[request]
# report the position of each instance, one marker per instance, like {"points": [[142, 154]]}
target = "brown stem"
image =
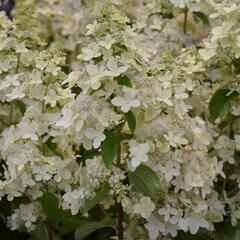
{"points": [[119, 148], [185, 20], [120, 221], [11, 234], [230, 127], [12, 103], [11, 113], [48, 226], [119, 204]]}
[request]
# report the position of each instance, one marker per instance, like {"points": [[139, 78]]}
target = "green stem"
{"points": [[43, 102], [43, 111], [18, 62], [185, 20], [43, 106]]}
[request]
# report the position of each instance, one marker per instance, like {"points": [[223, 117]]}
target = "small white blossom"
{"points": [[145, 207], [28, 130], [10, 81], [195, 222], [138, 153], [96, 135], [26, 216], [128, 101], [107, 41], [92, 51], [21, 48], [170, 170], [114, 69], [74, 200], [67, 118]]}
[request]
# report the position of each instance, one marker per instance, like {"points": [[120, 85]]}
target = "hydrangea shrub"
{"points": [[120, 120]]}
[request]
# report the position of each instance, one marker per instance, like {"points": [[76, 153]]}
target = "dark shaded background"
{"points": [[7, 6]]}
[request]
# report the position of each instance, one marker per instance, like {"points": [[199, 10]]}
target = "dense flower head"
{"points": [[112, 107]]}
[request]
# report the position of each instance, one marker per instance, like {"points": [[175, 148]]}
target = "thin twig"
{"points": [[18, 62], [185, 20], [11, 113]]}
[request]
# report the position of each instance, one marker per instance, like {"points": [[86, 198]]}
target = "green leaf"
{"points": [[39, 233], [69, 223], [236, 64], [126, 136], [131, 120], [105, 233], [50, 207], [110, 148], [203, 17], [66, 69], [98, 59], [223, 124], [100, 196], [188, 236], [18, 201], [89, 227], [89, 154], [123, 80], [144, 180], [62, 220], [21, 106], [219, 99], [51, 145], [228, 231]]}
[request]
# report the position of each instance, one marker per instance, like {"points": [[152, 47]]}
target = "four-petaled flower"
{"points": [[145, 207], [128, 101]]}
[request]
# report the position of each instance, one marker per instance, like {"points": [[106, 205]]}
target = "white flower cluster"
{"points": [[131, 84], [25, 216]]}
